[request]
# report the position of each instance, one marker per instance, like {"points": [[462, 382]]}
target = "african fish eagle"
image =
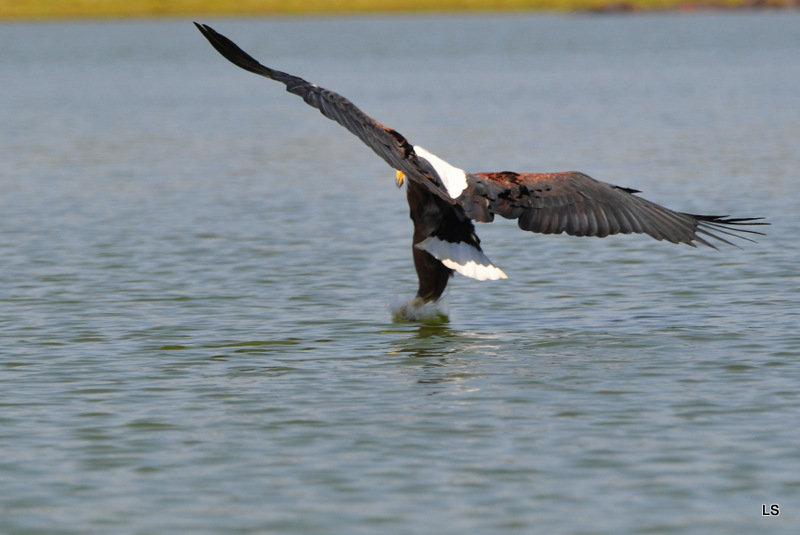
{"points": [[444, 200]]}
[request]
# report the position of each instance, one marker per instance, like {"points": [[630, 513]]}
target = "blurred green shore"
{"points": [[59, 9]]}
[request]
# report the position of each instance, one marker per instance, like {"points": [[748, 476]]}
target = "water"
{"points": [[197, 271]]}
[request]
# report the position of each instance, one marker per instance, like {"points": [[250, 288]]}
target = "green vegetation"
{"points": [[44, 9]]}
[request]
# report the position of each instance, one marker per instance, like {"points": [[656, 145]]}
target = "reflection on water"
{"points": [[432, 349]]}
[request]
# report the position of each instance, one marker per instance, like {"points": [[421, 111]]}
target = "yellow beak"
{"points": [[399, 178]]}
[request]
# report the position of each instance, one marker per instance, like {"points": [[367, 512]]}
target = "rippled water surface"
{"points": [[195, 333]]}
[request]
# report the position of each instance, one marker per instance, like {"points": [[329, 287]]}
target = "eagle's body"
{"points": [[444, 200]]}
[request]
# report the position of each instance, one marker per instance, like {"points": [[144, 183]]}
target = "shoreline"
{"points": [[40, 10]]}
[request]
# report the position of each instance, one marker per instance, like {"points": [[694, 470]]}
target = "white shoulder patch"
{"points": [[455, 179], [462, 257]]}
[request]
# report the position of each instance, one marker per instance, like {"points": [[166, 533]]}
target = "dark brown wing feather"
{"points": [[576, 204], [386, 142]]}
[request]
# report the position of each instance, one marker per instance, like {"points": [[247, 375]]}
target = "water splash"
{"points": [[417, 310]]}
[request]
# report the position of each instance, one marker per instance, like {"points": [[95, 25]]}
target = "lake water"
{"points": [[197, 269]]}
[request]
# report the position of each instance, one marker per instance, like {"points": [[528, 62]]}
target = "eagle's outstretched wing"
{"points": [[578, 205], [386, 142]]}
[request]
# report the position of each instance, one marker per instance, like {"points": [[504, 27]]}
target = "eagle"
{"points": [[444, 200]]}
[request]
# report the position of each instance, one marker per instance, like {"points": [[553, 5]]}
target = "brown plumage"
{"points": [[578, 205], [444, 200]]}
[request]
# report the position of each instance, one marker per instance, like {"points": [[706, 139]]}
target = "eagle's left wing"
{"points": [[386, 142]]}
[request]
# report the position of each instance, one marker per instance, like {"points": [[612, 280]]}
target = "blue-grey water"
{"points": [[196, 271]]}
